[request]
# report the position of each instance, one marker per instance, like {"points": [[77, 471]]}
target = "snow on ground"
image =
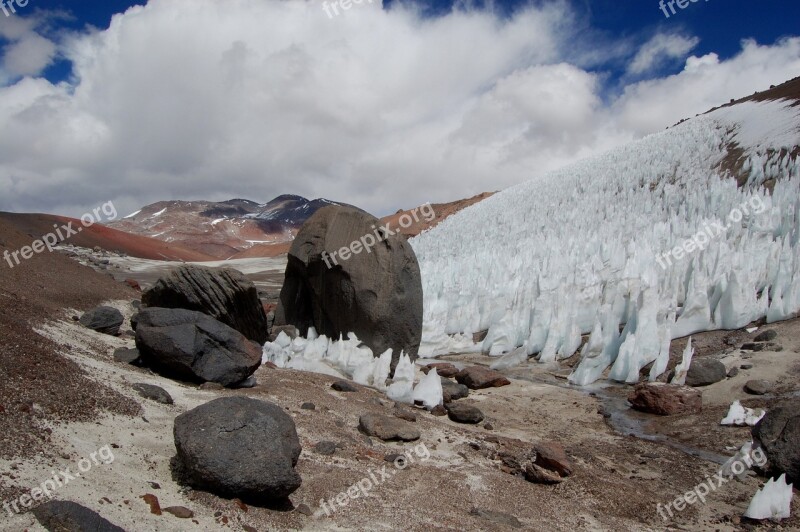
{"points": [[649, 236]]}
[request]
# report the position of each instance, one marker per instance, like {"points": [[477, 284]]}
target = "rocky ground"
{"points": [[64, 396]]}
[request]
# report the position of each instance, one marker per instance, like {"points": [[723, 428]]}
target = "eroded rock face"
{"points": [[239, 447], [666, 399], [194, 346], [341, 278], [224, 294], [778, 433]]}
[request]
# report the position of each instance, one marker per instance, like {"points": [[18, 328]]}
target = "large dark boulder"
{"points": [[778, 434], [705, 371], [194, 346], [341, 278], [106, 320], [58, 516], [238, 447], [224, 294]]}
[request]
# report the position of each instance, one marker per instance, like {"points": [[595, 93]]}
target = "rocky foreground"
{"points": [[534, 454]]}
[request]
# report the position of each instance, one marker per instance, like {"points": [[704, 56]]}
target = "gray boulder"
{"points": [[238, 447], [461, 413], [705, 371], [224, 294], [452, 391], [387, 428], [60, 516], [153, 392], [778, 434], [341, 278], [194, 346], [106, 320]]}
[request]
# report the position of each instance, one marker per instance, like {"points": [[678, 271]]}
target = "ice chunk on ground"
{"points": [[429, 390], [509, 360], [773, 501], [741, 416], [402, 387]]}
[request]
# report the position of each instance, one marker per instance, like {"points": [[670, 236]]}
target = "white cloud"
{"points": [[661, 48], [203, 99]]}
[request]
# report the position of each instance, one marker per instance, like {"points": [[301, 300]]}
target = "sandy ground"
{"points": [[618, 482]]}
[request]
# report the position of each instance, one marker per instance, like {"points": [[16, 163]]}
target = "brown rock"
{"points": [[439, 410], [444, 369], [152, 500], [404, 413], [180, 512], [540, 475], [387, 428], [133, 283], [666, 399], [551, 456], [479, 377]]}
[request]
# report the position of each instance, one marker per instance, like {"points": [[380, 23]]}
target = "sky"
{"points": [[382, 105]]}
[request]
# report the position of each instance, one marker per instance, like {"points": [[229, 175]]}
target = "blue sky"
{"points": [[383, 108]]}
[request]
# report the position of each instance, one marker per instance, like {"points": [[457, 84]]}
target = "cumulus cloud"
{"points": [[189, 99], [661, 48]]}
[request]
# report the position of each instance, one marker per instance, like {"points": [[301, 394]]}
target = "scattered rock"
{"points": [[452, 391], [746, 366], [488, 426], [133, 283], [106, 320], [461, 413], [224, 294], [705, 371], [766, 336], [194, 346], [733, 372], [666, 399], [180, 512], [540, 475], [497, 517], [551, 456], [152, 501], [337, 286], [768, 346], [304, 509], [778, 434], [404, 413], [444, 369], [326, 448], [479, 377], [344, 386], [238, 447], [758, 387], [154, 393], [211, 387], [249, 382], [387, 428], [308, 406], [439, 410], [69, 516], [127, 356]]}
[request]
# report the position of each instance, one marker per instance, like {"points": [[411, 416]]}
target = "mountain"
{"points": [[97, 235], [692, 229], [224, 229]]}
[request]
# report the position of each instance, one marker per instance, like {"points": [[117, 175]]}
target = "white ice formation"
{"points": [[773, 501], [655, 238], [741, 416]]}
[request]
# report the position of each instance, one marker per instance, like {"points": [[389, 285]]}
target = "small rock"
{"points": [[391, 457], [488, 426], [106, 320], [479, 377], [133, 283], [304, 509], [461, 413], [387, 428], [152, 501], [67, 515], [155, 485], [497, 517], [344, 386], [551, 456], [127, 356], [746, 366], [444, 369], [766, 336], [439, 410], [758, 387], [154, 393], [404, 413], [325, 448], [733, 372], [180, 512], [249, 382], [452, 391], [540, 475], [308, 406], [211, 386]]}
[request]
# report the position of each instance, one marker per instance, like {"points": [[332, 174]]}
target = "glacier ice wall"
{"points": [[653, 237]]}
